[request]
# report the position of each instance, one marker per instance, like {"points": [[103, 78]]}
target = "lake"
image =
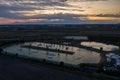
{"points": [[98, 45], [80, 55]]}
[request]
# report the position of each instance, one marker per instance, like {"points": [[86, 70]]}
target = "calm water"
{"points": [[80, 55], [97, 45]]}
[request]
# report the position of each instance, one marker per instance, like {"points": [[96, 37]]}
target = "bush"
{"points": [[61, 63], [44, 60]]}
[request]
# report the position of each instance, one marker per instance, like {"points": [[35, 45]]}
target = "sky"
{"points": [[59, 11]]}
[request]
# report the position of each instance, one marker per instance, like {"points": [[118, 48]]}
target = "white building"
{"points": [[112, 56]]}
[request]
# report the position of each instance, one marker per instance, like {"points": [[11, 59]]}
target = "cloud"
{"points": [[79, 0], [8, 14], [91, 0], [6, 11], [16, 11], [56, 16], [108, 15], [14, 8], [34, 4], [48, 10]]}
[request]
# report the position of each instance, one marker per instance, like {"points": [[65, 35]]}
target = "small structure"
{"points": [[76, 37], [114, 59], [118, 63], [109, 68]]}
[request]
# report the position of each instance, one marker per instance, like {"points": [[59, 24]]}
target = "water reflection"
{"points": [[98, 45], [80, 55]]}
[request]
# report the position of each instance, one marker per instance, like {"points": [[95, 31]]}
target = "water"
{"points": [[98, 45], [76, 37], [80, 55]]}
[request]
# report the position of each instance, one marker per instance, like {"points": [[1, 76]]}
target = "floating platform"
{"points": [[47, 49]]}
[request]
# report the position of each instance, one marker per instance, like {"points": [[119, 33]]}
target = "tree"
{"points": [[61, 63], [44, 60], [1, 50]]}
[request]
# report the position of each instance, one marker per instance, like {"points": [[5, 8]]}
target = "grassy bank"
{"points": [[88, 74]]}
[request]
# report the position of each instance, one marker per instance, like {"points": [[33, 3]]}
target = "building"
{"points": [[113, 59]]}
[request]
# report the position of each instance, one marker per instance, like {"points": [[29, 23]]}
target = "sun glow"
{"points": [[104, 18], [23, 11]]}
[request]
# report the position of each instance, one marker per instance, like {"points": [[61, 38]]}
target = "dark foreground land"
{"points": [[15, 69], [12, 68]]}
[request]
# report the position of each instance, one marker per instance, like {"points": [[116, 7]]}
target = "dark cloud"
{"points": [[85, 0], [55, 16], [109, 15], [92, 0], [9, 11], [6, 13], [10, 15], [78, 0], [14, 9]]}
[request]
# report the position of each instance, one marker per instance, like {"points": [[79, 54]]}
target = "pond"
{"points": [[98, 45], [80, 55]]}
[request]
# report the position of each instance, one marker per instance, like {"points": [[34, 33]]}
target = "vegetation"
{"points": [[109, 34]]}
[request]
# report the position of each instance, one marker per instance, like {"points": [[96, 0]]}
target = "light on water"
{"points": [[98, 45], [80, 55]]}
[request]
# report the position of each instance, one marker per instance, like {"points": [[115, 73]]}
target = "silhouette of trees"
{"points": [[61, 63]]}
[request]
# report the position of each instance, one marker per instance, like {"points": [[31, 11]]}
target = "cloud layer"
{"points": [[57, 10]]}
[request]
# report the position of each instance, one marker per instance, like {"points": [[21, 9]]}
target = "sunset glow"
{"points": [[66, 10]]}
